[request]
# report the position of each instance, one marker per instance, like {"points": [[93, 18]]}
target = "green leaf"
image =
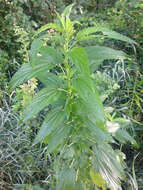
{"points": [[117, 36], [49, 26], [100, 135], [105, 31], [43, 98], [101, 53], [26, 72], [58, 136], [47, 54], [89, 94], [79, 57], [69, 28], [80, 185], [82, 34], [123, 136], [97, 54], [48, 78], [61, 100], [106, 163], [23, 74], [35, 46], [40, 42], [67, 11], [89, 37], [53, 120], [62, 20], [97, 179], [67, 179], [46, 59]]}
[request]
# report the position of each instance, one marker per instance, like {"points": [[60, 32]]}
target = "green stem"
{"points": [[67, 67]]}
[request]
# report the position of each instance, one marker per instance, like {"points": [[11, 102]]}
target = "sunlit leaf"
{"points": [[106, 163], [97, 179], [79, 57], [67, 10]]}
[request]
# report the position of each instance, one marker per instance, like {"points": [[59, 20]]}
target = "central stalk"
{"points": [[67, 67]]}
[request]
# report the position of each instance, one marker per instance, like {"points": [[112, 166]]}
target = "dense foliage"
{"points": [[71, 154]]}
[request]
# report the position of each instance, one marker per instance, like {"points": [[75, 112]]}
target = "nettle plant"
{"points": [[75, 127]]}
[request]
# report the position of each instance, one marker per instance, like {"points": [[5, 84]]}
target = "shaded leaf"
{"points": [[35, 46], [97, 54], [46, 59], [49, 26], [53, 120], [123, 136], [107, 32], [82, 34], [48, 78], [117, 36], [101, 135], [67, 179], [89, 94], [42, 99], [58, 137], [89, 37], [23, 74]]}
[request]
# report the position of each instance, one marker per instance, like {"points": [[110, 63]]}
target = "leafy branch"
{"points": [[75, 128]]}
